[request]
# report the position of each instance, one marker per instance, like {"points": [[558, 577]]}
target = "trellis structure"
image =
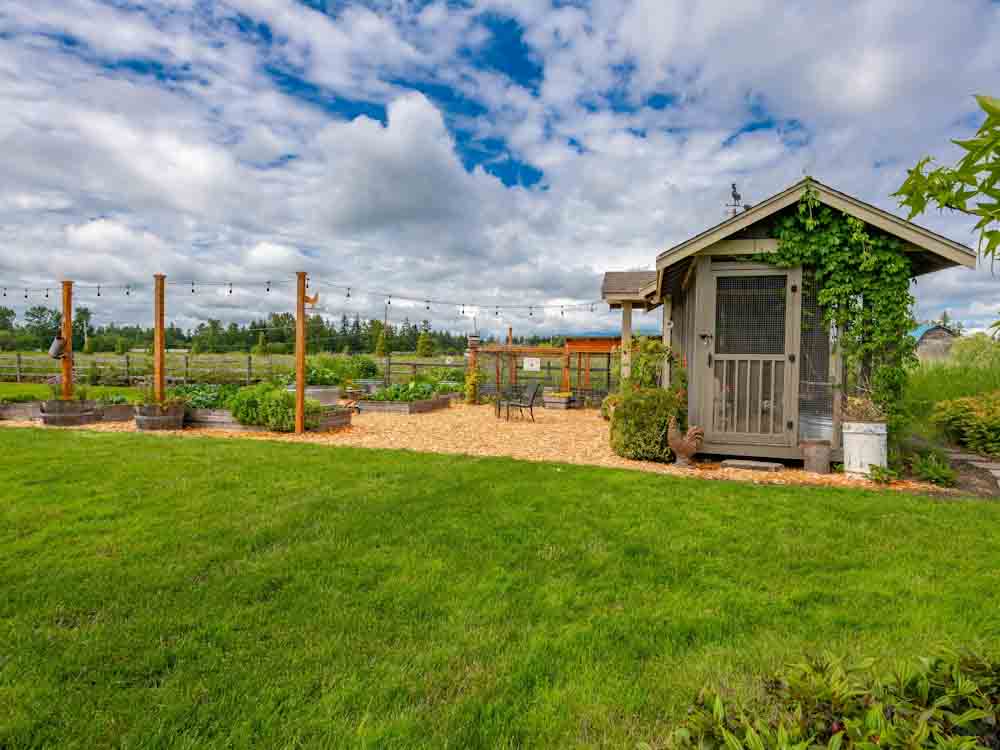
{"points": [[763, 370]]}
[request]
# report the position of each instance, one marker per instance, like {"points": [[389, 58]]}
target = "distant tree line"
{"points": [[274, 334]]}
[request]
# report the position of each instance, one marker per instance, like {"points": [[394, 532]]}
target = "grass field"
{"points": [[41, 391], [163, 592]]}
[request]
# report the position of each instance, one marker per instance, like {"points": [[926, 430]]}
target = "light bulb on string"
{"points": [[192, 287], [98, 290], [268, 290], [230, 287], [427, 302], [5, 291], [46, 294], [128, 290], [26, 294], [348, 292], [531, 314]]}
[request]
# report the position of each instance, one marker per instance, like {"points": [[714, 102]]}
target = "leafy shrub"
{"points": [[473, 378], [973, 422], [204, 395], [882, 474], [112, 399], [949, 701], [933, 467], [271, 406], [978, 350], [640, 422], [862, 409], [413, 391]]}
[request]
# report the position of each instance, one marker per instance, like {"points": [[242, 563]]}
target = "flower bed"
{"points": [[331, 417], [421, 406], [558, 400]]}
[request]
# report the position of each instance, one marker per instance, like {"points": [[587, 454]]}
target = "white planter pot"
{"points": [[865, 445]]}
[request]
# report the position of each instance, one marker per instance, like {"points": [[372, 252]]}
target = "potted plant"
{"points": [[151, 414], [71, 412], [558, 400], [865, 436]]}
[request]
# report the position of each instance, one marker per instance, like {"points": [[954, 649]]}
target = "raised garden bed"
{"points": [[557, 401], [222, 419], [328, 395], [421, 406], [33, 410]]}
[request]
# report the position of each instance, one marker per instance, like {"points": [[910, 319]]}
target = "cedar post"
{"points": [[586, 373], [67, 334], [565, 370], [626, 339], [513, 356], [17, 365], [300, 354], [666, 330], [159, 339]]}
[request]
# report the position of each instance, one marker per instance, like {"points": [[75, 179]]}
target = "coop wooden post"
{"points": [[667, 329], [67, 334], [586, 372], [159, 339], [17, 366], [300, 354], [626, 339]]}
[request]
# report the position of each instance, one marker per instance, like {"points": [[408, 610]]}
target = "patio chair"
{"points": [[527, 401]]}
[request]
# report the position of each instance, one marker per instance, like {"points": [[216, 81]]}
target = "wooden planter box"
{"points": [[117, 413], [558, 402], [151, 417], [405, 407], [328, 395], [222, 419], [217, 419], [69, 413], [21, 411]]}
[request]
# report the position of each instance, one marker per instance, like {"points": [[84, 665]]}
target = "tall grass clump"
{"points": [[971, 369]]}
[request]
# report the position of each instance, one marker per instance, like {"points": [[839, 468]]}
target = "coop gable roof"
{"points": [[938, 251], [626, 285]]}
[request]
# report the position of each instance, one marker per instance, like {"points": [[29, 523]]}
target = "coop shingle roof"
{"points": [[626, 283]]}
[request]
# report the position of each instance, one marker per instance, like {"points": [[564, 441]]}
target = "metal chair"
{"points": [[525, 402]]}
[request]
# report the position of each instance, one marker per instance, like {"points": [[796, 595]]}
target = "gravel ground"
{"points": [[573, 436]]}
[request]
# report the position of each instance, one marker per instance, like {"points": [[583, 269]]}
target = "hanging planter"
{"points": [[57, 349]]}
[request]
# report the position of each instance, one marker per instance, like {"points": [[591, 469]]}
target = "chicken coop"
{"points": [[763, 368]]}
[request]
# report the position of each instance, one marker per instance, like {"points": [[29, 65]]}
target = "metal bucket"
{"points": [[865, 445]]}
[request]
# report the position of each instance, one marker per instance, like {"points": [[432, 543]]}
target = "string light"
{"points": [[26, 294], [5, 291], [531, 314], [128, 290], [427, 302], [98, 290], [268, 290], [192, 286], [46, 294], [348, 292], [388, 301], [230, 287]]}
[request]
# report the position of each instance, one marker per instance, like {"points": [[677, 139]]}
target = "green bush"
{"points": [[947, 702], [609, 404], [640, 422], [413, 391], [271, 406], [204, 395], [933, 467], [973, 422]]}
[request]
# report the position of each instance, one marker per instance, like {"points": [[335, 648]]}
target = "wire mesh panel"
{"points": [[750, 315], [815, 382]]}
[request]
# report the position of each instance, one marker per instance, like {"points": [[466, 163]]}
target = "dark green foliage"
{"points": [[863, 279], [973, 421], [933, 467], [640, 422], [205, 396], [413, 391], [270, 406], [949, 701], [882, 474]]}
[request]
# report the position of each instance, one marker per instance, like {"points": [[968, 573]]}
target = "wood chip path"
{"points": [[574, 437]]}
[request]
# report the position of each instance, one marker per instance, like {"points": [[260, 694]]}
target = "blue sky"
{"points": [[503, 151]]}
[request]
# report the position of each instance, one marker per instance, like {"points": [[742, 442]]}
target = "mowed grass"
{"points": [[206, 593], [42, 391]]}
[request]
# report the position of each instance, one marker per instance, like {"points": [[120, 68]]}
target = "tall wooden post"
{"points": [[666, 331], [159, 340], [300, 354], [626, 339], [565, 369], [67, 334], [513, 356]]}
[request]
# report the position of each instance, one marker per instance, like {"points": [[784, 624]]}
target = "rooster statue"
{"points": [[684, 446]]}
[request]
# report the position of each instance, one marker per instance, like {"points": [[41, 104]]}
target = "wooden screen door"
{"points": [[749, 347]]}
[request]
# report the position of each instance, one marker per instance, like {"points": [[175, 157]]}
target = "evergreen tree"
{"points": [[380, 345], [425, 345]]}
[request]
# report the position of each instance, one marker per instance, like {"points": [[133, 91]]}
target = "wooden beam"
{"points": [[667, 330], [626, 339], [300, 353], [159, 339], [67, 334]]}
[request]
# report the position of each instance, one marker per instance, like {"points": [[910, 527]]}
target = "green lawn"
{"points": [[196, 592], [41, 391]]}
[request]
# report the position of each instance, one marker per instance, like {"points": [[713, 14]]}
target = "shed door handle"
{"points": [[791, 358]]}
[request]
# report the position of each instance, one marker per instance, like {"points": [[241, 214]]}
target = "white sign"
{"points": [[532, 364]]}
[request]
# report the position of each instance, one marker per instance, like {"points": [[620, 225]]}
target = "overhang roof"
{"points": [[943, 251], [626, 285]]}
